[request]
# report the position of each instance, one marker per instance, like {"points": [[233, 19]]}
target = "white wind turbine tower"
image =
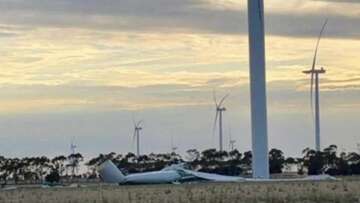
{"points": [[137, 129], [218, 116], [260, 164], [314, 72]]}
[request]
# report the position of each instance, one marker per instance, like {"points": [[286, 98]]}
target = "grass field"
{"points": [[294, 192]]}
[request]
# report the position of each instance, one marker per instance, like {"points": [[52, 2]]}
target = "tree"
{"points": [[276, 161], [246, 162], [192, 155], [330, 158], [41, 164], [354, 162], [7, 168], [58, 164], [313, 161], [289, 162], [343, 167], [235, 155], [53, 177], [74, 161]]}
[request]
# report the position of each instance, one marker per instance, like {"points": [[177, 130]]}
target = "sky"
{"points": [[83, 69]]}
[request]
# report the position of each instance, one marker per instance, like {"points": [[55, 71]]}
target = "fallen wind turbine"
{"points": [[137, 129], [314, 72], [218, 117]]}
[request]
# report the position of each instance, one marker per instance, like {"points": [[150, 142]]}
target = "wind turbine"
{"points": [[137, 129], [173, 147], [314, 72], [72, 146], [72, 158], [232, 145], [218, 116], [231, 142]]}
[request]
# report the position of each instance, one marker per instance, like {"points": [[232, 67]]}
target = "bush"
{"points": [[53, 177]]}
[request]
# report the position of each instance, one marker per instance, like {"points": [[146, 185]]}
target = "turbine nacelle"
{"points": [[315, 71]]}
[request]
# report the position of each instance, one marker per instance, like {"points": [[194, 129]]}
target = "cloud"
{"points": [[129, 53], [341, 84], [7, 34], [296, 18], [340, 1]]}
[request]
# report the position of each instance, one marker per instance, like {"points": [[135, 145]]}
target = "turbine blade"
{"points": [[223, 99], [216, 118], [140, 122], [133, 137], [133, 120], [318, 42], [214, 98], [314, 64]]}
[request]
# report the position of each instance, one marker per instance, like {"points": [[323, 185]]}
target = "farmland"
{"points": [[298, 192]]}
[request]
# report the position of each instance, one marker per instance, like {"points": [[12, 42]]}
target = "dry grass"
{"points": [[295, 192]]}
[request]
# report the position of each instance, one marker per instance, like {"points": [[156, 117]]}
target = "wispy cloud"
{"points": [[290, 18]]}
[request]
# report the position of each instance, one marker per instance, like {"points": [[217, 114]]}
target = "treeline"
{"points": [[329, 161], [39, 169]]}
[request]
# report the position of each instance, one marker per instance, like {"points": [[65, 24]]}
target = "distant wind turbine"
{"points": [[173, 147], [72, 159], [218, 117], [72, 146], [137, 129], [232, 145], [315, 75], [231, 141]]}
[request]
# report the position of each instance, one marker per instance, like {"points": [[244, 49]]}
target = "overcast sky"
{"points": [[84, 68]]}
